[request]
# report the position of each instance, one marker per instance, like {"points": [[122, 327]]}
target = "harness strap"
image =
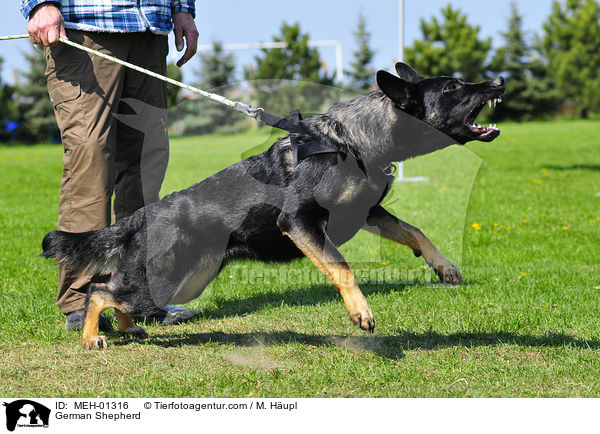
{"points": [[280, 122], [301, 149]]}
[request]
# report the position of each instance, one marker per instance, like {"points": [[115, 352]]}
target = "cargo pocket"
{"points": [[68, 110]]}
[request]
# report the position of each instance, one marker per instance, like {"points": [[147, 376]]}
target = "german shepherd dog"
{"points": [[275, 207]]}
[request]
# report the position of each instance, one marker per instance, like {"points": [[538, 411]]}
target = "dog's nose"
{"points": [[498, 81]]}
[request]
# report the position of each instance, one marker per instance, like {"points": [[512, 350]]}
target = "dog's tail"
{"points": [[98, 251]]}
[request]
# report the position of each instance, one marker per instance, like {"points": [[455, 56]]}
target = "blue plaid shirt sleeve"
{"points": [[117, 15], [28, 5], [188, 6]]}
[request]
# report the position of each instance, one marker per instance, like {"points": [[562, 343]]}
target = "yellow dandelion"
{"points": [[507, 228], [536, 181], [495, 233], [444, 188], [501, 226], [495, 225], [544, 170], [565, 228], [476, 226], [525, 221], [522, 273], [384, 263], [533, 231]]}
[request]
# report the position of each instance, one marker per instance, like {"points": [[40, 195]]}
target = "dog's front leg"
{"points": [[317, 246], [382, 223]]}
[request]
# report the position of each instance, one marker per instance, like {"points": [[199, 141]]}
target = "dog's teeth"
{"points": [[499, 99], [495, 127], [494, 102], [489, 103]]}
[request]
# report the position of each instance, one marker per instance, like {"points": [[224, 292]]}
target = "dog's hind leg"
{"points": [[382, 223], [127, 326], [317, 246], [100, 298]]}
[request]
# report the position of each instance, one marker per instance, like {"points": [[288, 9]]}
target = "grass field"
{"points": [[521, 216]]}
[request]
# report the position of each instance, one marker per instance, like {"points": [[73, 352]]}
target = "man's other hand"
{"points": [[45, 25], [185, 27]]}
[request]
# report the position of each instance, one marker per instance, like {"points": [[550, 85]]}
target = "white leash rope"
{"points": [[239, 106]]}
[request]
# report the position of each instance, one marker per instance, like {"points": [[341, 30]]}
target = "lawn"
{"points": [[520, 216]]}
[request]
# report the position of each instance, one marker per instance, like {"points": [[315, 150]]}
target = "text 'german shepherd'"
{"points": [[276, 207]]}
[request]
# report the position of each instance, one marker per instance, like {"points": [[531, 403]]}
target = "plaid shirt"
{"points": [[117, 15]]}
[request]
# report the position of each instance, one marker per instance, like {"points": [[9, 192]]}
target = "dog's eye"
{"points": [[451, 87]]}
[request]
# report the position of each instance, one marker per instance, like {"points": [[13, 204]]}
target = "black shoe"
{"points": [[168, 315], [75, 321]]}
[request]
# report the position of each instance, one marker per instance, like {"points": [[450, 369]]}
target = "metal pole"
{"points": [[338, 61], [400, 30], [400, 171], [400, 59]]}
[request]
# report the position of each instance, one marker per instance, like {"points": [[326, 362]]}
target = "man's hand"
{"points": [[45, 25], [185, 27]]}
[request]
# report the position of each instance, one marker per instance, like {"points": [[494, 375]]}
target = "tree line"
{"points": [[554, 73]]}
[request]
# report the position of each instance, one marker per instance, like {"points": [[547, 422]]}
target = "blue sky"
{"points": [[243, 21]]}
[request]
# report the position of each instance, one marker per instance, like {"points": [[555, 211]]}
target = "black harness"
{"points": [[303, 149]]}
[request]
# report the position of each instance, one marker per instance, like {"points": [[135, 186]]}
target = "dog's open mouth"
{"points": [[481, 132]]}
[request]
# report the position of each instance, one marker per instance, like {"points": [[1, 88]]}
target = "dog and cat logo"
{"points": [[26, 413]]}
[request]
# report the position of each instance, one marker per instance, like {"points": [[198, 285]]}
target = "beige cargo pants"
{"points": [[105, 152]]}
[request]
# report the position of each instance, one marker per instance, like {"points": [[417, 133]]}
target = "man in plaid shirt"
{"points": [[112, 120]]}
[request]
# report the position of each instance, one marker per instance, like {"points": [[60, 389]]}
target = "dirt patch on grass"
{"points": [[254, 358]]}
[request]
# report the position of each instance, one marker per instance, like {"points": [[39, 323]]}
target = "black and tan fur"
{"points": [[268, 208]]}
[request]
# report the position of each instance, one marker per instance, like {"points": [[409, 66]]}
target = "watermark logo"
{"points": [[25, 413]]}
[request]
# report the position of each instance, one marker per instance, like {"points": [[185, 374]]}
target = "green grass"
{"points": [[521, 216]]}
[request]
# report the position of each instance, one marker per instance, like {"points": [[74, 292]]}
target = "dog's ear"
{"points": [[400, 91], [406, 73]]}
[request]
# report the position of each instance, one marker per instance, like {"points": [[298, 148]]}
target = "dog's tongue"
{"points": [[482, 130]]}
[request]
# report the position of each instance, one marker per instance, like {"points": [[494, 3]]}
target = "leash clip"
{"points": [[248, 110]]}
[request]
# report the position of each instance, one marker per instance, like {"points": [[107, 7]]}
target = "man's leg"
{"points": [[142, 143], [83, 89]]}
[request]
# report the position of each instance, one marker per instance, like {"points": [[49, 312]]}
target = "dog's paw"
{"points": [[136, 332], [364, 319], [96, 342], [448, 274]]}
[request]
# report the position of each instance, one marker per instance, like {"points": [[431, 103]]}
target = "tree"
{"points": [[289, 78], [173, 91], [36, 115], [450, 47], [216, 74], [570, 43], [217, 68], [297, 61], [361, 75], [529, 94]]}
